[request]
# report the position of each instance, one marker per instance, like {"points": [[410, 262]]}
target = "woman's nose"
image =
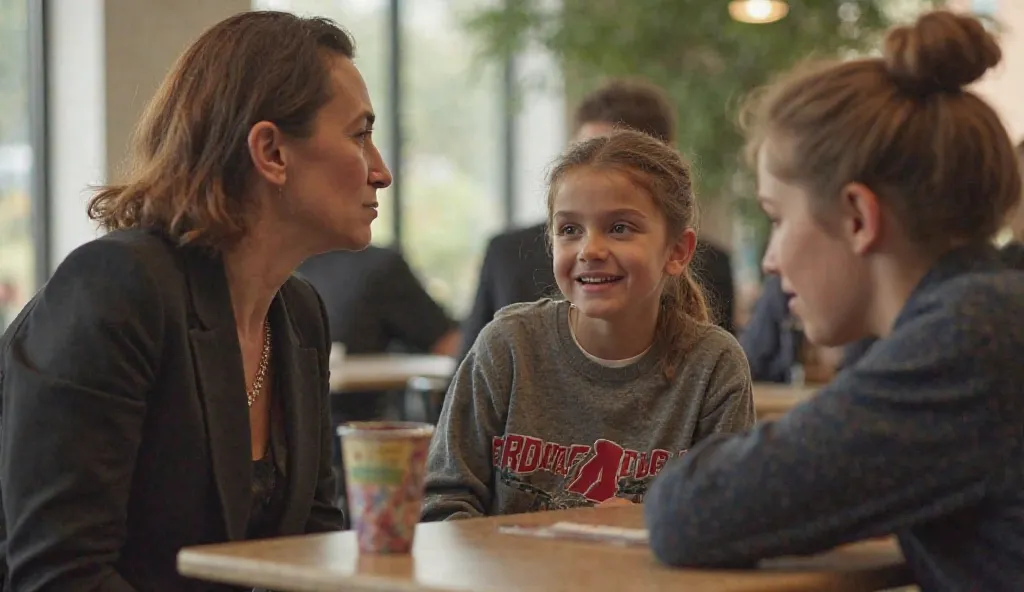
{"points": [[769, 263], [380, 175]]}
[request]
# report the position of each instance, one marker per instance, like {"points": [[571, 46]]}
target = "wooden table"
{"points": [[472, 555], [772, 400], [385, 372]]}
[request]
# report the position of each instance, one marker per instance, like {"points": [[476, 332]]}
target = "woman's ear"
{"points": [[265, 151], [861, 217]]}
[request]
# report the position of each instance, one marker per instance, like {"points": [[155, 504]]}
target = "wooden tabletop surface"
{"points": [[772, 400], [472, 555], [385, 372]]}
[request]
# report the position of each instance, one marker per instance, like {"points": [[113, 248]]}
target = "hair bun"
{"points": [[941, 52]]}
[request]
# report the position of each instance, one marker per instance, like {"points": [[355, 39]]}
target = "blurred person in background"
{"points": [[375, 304]]}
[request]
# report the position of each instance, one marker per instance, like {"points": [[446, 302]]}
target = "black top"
{"points": [[921, 438], [375, 302], [268, 480], [125, 424], [518, 268]]}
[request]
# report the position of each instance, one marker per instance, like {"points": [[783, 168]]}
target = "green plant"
{"points": [[705, 60]]}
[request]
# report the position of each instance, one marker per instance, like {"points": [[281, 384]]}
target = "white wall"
{"points": [[106, 59], [77, 119], [1004, 87]]}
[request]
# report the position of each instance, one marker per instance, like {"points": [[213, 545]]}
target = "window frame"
{"points": [[39, 186]]}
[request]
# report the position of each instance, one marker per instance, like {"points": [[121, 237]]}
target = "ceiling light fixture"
{"points": [[758, 11]]}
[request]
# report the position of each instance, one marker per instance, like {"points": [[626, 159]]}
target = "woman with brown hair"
{"points": [[168, 385], [885, 180]]}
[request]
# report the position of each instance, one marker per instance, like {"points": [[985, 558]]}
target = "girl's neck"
{"points": [[619, 338]]}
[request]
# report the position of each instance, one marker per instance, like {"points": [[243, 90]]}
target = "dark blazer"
{"points": [[517, 268], [125, 426]]}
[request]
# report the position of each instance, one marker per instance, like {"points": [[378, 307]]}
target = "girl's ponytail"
{"points": [[683, 317]]}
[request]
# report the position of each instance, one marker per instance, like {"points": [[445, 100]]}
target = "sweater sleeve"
{"points": [[913, 432], [460, 481], [728, 403]]}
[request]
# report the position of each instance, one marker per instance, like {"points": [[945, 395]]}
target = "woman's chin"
{"points": [[353, 241]]}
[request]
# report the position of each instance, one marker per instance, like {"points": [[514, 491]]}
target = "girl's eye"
{"points": [[567, 230], [620, 228], [363, 135]]}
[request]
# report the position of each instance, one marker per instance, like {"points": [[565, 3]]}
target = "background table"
{"points": [[772, 400], [386, 372], [472, 555], [389, 372]]}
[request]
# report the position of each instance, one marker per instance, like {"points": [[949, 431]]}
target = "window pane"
{"points": [[367, 21], [985, 7], [452, 119], [17, 261]]}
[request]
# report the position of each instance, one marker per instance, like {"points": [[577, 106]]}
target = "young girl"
{"points": [[574, 402], [885, 180]]}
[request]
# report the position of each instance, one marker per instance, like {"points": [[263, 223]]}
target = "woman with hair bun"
{"points": [[885, 180]]}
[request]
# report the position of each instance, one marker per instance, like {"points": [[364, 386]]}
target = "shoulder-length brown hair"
{"points": [[190, 163]]}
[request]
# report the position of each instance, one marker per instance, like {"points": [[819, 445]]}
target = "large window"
{"points": [[448, 152], [985, 7], [17, 253], [452, 167]]}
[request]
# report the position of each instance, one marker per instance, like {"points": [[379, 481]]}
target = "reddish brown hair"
{"points": [[656, 168], [634, 104], [903, 124], [190, 164]]}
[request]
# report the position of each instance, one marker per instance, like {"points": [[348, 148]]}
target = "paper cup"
{"points": [[385, 467]]}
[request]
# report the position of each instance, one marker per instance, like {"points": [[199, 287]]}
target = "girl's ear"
{"points": [[681, 252]]}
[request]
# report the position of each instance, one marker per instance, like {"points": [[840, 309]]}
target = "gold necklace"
{"points": [[261, 370]]}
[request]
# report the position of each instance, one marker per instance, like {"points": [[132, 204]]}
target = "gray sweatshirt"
{"points": [[531, 423]]}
